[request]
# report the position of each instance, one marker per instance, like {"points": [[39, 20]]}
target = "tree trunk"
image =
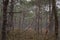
{"points": [[54, 11], [50, 25], [38, 17], [11, 14], [4, 26]]}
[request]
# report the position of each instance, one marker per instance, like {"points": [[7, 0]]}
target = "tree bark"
{"points": [[4, 26], [11, 14], [50, 24], [38, 17], [54, 11]]}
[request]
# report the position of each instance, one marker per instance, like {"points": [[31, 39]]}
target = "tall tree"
{"points": [[50, 25], [11, 13], [22, 18], [38, 11], [54, 11], [5, 5]]}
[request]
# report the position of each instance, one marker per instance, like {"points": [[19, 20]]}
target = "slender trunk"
{"points": [[38, 4], [50, 25], [21, 21], [4, 26], [11, 14], [54, 11]]}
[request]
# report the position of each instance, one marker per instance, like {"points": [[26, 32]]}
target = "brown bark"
{"points": [[50, 25], [4, 26], [11, 14], [38, 17], [54, 11]]}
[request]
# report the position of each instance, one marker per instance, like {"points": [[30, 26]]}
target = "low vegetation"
{"points": [[18, 34]]}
